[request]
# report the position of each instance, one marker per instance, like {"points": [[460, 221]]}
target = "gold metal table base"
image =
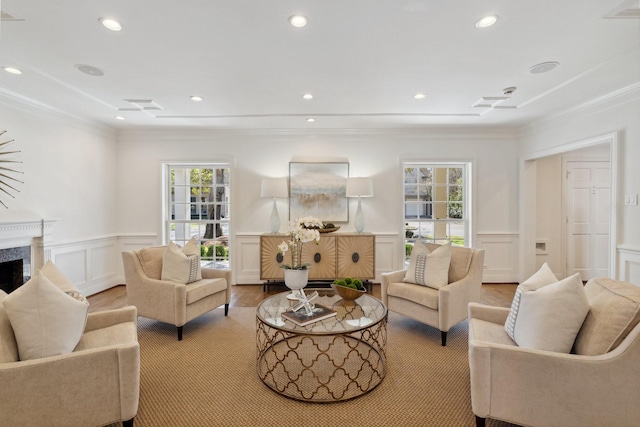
{"points": [[322, 368]]}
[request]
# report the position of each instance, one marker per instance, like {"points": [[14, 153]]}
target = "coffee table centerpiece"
{"points": [[296, 274]]}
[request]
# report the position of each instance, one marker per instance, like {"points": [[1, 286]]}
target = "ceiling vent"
{"points": [[628, 9], [142, 105]]}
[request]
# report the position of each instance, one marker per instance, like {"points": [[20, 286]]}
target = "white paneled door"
{"points": [[588, 199]]}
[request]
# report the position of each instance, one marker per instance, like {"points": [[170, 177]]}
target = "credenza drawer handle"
{"points": [[355, 257]]}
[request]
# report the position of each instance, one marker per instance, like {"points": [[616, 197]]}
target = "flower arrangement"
{"points": [[301, 231]]}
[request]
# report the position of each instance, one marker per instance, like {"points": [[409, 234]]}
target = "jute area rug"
{"points": [[209, 379]]}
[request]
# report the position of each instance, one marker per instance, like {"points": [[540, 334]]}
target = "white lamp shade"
{"points": [[274, 187], [359, 187]]}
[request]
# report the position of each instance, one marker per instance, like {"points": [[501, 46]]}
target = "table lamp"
{"points": [[359, 187], [274, 187]]}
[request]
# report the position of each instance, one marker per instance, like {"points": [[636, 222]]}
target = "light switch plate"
{"points": [[631, 199]]}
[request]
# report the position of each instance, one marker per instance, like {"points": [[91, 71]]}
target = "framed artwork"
{"points": [[319, 190]]}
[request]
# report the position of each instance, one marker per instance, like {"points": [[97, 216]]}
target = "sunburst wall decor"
{"points": [[7, 173]]}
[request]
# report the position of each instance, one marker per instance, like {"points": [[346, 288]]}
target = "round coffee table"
{"points": [[335, 359]]}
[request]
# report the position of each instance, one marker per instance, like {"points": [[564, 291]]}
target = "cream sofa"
{"points": [[170, 302], [598, 386], [441, 308], [97, 384]]}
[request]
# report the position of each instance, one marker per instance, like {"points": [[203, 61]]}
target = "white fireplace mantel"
{"points": [[24, 231]]}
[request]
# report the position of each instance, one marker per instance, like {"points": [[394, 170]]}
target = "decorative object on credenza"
{"points": [[359, 187], [275, 188], [319, 189], [7, 180], [301, 231], [349, 289], [329, 227]]}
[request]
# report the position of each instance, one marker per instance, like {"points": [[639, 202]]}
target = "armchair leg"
{"points": [[226, 309], [480, 421], [179, 333], [443, 336], [128, 423]]}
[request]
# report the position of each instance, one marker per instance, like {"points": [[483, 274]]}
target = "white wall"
{"points": [[619, 115], [267, 154], [69, 176]]}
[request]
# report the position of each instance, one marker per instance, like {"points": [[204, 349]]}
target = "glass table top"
{"points": [[351, 315]]}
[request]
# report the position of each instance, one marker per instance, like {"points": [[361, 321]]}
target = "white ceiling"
{"points": [[363, 60]]}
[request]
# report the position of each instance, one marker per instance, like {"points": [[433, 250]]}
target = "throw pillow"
{"points": [[429, 268], [192, 249], [550, 318], [544, 276], [179, 267], [8, 347], [45, 320]]}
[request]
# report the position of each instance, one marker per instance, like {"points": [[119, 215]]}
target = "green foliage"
{"points": [[408, 248], [348, 282]]}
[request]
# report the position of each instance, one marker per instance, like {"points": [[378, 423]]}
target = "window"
{"points": [[436, 203], [198, 206]]}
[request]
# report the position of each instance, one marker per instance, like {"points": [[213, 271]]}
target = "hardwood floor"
{"points": [[496, 294]]}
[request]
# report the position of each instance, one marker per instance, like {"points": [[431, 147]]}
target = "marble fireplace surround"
{"points": [[24, 230]]}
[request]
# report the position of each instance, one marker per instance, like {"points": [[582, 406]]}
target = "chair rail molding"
{"points": [[629, 264]]}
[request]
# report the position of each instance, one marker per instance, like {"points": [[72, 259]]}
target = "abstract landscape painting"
{"points": [[319, 190]]}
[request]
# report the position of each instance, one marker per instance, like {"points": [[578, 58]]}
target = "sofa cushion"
{"points": [[615, 311], [544, 276], [549, 318], [428, 268], [179, 267], [494, 333], [45, 320], [8, 346], [151, 261], [460, 261], [203, 288], [422, 295]]}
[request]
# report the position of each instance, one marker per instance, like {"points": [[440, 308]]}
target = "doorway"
{"points": [[533, 211]]}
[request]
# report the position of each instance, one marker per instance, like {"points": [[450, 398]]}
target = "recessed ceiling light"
{"points": [[110, 24], [12, 70], [310, 119], [543, 67], [487, 21], [196, 98], [419, 96], [307, 96], [298, 21], [120, 118]]}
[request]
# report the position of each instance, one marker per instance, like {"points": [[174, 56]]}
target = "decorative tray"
{"points": [[329, 230]]}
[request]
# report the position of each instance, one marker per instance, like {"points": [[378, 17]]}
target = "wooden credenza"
{"points": [[337, 255]]}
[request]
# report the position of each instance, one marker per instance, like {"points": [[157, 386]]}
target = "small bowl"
{"points": [[348, 294]]}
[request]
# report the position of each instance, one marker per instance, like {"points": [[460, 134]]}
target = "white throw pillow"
{"points": [[179, 267], [45, 320], [550, 318], [429, 268], [192, 249], [544, 276]]}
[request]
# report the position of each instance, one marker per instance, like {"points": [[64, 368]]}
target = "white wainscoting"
{"points": [[629, 264], [500, 257], [95, 265], [246, 256]]}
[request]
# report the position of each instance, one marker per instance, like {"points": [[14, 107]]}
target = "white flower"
{"points": [[301, 231]]}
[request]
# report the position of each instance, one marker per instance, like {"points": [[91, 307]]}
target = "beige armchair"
{"points": [[441, 308], [170, 302], [97, 384], [597, 385]]}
